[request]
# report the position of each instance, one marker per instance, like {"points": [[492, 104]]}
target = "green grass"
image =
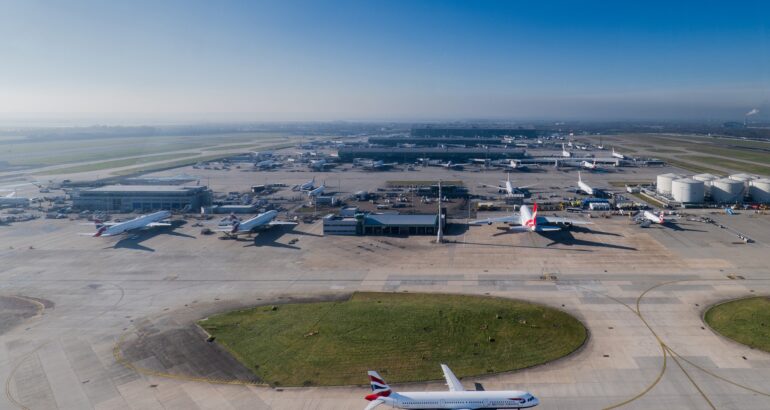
{"points": [[96, 166], [730, 164], [190, 161], [746, 321], [696, 168], [404, 336]]}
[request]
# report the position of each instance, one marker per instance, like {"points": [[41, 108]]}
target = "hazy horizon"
{"points": [[179, 62]]}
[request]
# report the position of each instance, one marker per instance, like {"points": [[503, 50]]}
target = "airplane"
{"points": [[648, 218], [321, 164], [452, 165], [316, 191], [589, 165], [308, 186], [262, 221], [528, 221], [379, 165], [564, 152], [266, 164], [456, 398], [617, 154], [141, 222], [582, 186], [508, 189]]}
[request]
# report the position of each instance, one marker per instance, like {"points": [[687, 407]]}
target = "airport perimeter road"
{"points": [[106, 324]]}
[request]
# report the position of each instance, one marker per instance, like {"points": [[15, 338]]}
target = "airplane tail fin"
{"points": [[378, 385], [236, 224], [580, 178], [100, 231], [534, 215]]}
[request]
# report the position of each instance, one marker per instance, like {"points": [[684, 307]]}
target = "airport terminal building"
{"points": [[129, 198], [381, 224]]}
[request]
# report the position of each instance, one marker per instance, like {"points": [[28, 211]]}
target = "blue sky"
{"points": [[383, 60]]}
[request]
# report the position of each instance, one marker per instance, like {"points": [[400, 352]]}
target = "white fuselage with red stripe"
{"points": [[657, 219]]}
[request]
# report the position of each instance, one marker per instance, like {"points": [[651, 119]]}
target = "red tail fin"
{"points": [[100, 231]]}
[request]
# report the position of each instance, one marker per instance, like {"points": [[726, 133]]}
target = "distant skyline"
{"points": [[175, 61]]}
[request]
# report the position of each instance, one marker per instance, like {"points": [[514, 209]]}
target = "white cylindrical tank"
{"points": [[745, 178], [760, 190], [707, 180], [664, 183], [687, 190], [727, 190]]}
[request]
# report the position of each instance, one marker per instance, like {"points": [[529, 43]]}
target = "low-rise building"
{"points": [[128, 198]]}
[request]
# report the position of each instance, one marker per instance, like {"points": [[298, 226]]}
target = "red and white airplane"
{"points": [[262, 221], [648, 218], [456, 398], [529, 221], [141, 222], [589, 165]]}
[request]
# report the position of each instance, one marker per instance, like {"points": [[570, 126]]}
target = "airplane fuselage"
{"points": [[254, 223], [136, 223], [461, 400]]}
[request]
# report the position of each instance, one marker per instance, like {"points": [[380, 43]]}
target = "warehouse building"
{"points": [[381, 224], [128, 198]]}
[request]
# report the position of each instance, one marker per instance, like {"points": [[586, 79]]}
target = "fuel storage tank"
{"points": [[707, 180], [727, 190], [686, 190], [760, 190], [664, 183]]}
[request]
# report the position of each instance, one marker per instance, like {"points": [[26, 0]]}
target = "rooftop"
{"points": [[145, 188], [400, 220]]}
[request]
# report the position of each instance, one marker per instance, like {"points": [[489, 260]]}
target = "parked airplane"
{"points": [[456, 398], [308, 186], [528, 221], [648, 218], [582, 186], [564, 152], [452, 165], [321, 164], [262, 221], [266, 164], [589, 165], [508, 189], [316, 191], [378, 165], [141, 222], [617, 154]]}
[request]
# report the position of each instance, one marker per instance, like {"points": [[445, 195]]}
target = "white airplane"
{"points": [[141, 222], [266, 164], [249, 226], [564, 152], [589, 165], [507, 188], [452, 165], [617, 154], [648, 218], [456, 398], [582, 186], [321, 164], [379, 165], [316, 191], [528, 221], [308, 186]]}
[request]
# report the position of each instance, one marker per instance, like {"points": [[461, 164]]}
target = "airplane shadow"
{"points": [[565, 237], [503, 245], [583, 229], [134, 241], [677, 227], [270, 238]]}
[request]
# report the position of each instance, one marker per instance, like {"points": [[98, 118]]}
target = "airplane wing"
{"points": [[507, 219], [11, 195], [451, 380], [564, 221], [281, 223], [154, 224], [374, 404], [492, 186], [547, 228]]}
